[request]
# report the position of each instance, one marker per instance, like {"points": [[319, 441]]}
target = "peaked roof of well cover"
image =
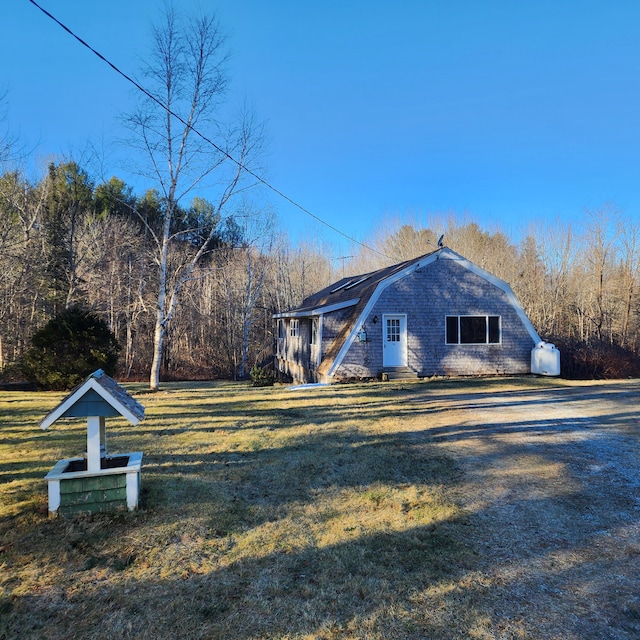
{"points": [[108, 389]]}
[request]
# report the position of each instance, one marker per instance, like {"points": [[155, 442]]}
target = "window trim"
{"points": [[294, 328], [487, 318]]}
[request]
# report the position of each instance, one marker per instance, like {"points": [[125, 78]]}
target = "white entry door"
{"points": [[394, 341]]}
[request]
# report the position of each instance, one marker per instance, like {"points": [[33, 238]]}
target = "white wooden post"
{"points": [[133, 487], [54, 495], [93, 443], [103, 437]]}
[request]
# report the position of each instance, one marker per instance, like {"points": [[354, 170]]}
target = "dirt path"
{"points": [[552, 478]]}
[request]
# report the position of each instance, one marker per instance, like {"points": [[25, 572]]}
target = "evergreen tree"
{"points": [[70, 347]]}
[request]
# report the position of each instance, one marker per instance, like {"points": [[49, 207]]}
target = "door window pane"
{"points": [[393, 330]]}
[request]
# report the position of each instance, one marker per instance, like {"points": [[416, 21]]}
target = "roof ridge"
{"points": [[351, 288]]}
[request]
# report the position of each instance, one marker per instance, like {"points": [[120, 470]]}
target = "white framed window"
{"points": [[294, 327], [281, 332], [313, 334], [473, 329]]}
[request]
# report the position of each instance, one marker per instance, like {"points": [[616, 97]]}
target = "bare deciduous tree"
{"points": [[186, 74], [629, 235], [600, 253]]}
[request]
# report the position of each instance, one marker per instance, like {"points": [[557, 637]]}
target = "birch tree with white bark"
{"points": [[186, 75]]}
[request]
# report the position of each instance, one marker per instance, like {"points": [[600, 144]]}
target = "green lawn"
{"points": [[265, 513]]}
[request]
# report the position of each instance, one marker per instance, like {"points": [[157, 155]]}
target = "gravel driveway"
{"points": [[552, 479]]}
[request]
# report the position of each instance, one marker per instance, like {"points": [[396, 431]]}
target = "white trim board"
{"points": [[317, 311]]}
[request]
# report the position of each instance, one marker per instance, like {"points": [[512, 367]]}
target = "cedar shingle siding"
{"points": [[427, 296], [426, 291]]}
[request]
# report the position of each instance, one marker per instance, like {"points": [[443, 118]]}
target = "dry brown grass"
{"points": [[348, 512]]}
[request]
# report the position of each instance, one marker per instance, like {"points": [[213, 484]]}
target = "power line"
{"points": [[205, 138]]}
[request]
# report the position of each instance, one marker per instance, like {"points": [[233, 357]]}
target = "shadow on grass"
{"points": [[339, 590], [279, 408], [267, 481]]}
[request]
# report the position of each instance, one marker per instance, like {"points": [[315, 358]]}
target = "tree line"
{"points": [[66, 241]]}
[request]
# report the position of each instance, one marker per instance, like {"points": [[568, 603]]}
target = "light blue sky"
{"points": [[508, 111]]}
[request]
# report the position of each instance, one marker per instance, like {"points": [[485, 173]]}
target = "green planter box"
{"points": [[73, 490]]}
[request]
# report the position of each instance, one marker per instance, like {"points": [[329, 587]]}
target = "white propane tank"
{"points": [[545, 359]]}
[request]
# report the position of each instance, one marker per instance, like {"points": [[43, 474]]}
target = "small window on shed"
{"points": [[294, 328], [313, 334], [355, 283], [281, 332], [341, 286]]}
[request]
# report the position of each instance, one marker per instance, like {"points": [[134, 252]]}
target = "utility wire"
{"points": [[205, 138]]}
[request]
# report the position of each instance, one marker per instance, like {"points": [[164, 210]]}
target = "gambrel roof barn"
{"points": [[438, 314]]}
